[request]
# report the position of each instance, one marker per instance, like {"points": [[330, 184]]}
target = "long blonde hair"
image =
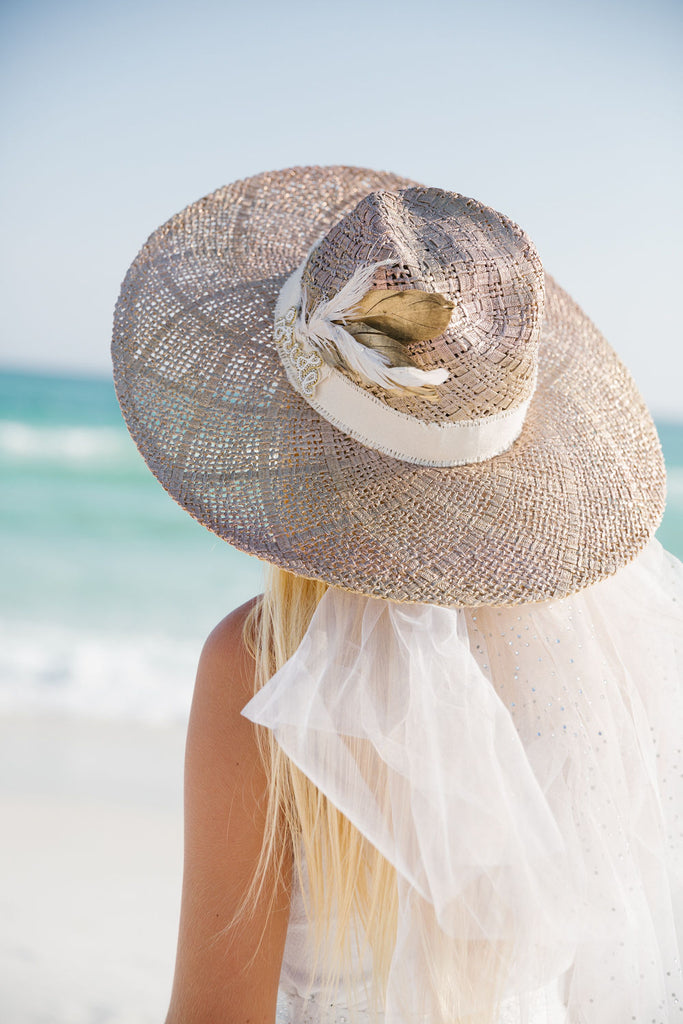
{"points": [[349, 882], [352, 888]]}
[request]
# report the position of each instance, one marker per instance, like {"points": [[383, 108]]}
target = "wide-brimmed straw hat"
{"points": [[373, 383]]}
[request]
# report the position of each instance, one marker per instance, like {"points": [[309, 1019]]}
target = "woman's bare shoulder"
{"points": [[225, 675], [219, 737]]}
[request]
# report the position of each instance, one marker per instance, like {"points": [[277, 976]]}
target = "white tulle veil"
{"points": [[521, 768]]}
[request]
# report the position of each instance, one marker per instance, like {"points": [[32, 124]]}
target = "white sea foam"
{"points": [[110, 676], [81, 445]]}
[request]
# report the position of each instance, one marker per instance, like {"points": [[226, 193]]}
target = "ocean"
{"points": [[108, 588]]}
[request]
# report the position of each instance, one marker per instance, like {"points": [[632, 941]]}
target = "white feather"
{"points": [[341, 304], [332, 341]]}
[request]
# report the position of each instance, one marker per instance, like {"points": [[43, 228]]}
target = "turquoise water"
{"points": [[107, 587], [87, 533]]}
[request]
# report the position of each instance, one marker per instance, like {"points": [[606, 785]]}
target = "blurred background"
{"points": [[115, 116]]}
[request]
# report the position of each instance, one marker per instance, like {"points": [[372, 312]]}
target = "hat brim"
{"points": [[207, 401]]}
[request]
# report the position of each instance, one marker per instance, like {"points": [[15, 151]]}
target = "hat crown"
{"points": [[442, 242]]}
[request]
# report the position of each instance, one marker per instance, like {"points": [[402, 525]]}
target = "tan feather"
{"points": [[405, 316], [394, 350]]}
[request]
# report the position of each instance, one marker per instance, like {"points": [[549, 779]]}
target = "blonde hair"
{"points": [[352, 895], [351, 886]]}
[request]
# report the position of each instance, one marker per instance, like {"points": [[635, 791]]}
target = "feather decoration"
{"points": [[406, 315], [395, 351], [369, 344]]}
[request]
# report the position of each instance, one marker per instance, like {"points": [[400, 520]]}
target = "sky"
{"points": [[564, 116]]}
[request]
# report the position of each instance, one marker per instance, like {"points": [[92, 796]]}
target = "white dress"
{"points": [[301, 999], [522, 769]]}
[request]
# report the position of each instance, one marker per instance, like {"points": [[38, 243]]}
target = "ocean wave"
{"points": [[674, 483], [145, 678], [81, 446]]}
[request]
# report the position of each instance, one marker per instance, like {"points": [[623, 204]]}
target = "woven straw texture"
{"points": [[446, 243], [206, 399]]}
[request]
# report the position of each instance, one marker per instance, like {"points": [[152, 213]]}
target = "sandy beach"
{"points": [[91, 863]]}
